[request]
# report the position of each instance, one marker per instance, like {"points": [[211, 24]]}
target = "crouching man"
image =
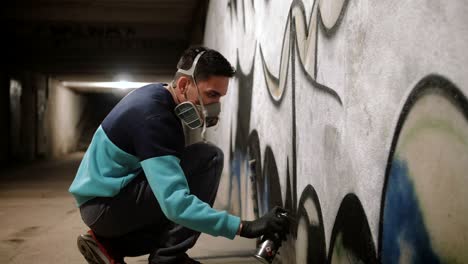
{"points": [[141, 191]]}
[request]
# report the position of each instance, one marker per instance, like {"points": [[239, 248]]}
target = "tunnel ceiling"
{"points": [[99, 37]]}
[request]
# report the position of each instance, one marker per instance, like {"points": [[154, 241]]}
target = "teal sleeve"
{"points": [[168, 183]]}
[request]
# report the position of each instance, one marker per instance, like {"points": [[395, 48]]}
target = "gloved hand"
{"points": [[269, 224]]}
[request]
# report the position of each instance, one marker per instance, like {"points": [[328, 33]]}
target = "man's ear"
{"points": [[182, 84]]}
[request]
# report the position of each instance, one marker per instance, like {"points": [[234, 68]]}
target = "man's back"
{"points": [[142, 125]]}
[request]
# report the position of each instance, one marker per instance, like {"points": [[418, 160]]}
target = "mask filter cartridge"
{"points": [[188, 113]]}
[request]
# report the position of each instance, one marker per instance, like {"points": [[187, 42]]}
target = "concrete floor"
{"points": [[39, 221]]}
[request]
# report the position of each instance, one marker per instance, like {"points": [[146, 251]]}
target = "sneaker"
{"points": [[93, 251]]}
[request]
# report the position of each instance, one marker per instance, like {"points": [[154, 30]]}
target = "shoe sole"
{"points": [[90, 250]]}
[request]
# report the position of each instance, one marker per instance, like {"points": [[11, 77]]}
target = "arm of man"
{"points": [[168, 183], [159, 148]]}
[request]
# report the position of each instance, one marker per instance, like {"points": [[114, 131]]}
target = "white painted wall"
{"points": [[64, 109], [350, 76]]}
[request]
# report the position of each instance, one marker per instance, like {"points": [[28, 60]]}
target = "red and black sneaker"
{"points": [[93, 251]]}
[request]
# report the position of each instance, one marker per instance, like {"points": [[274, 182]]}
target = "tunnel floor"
{"points": [[39, 221]]}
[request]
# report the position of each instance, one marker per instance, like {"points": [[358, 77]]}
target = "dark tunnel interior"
{"points": [[65, 64], [97, 106]]}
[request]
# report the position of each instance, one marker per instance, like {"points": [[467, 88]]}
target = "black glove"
{"points": [[270, 224]]}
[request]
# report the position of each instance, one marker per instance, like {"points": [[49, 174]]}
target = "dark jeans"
{"points": [[132, 223]]}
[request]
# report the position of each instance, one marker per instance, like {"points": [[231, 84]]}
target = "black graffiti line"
{"points": [[331, 31], [294, 37], [351, 222], [319, 86], [243, 14], [244, 99], [294, 130], [244, 113], [279, 83], [430, 82], [232, 5], [319, 253], [270, 78], [244, 102], [456, 95], [273, 83]]}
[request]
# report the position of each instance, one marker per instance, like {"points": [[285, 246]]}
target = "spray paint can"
{"points": [[267, 250]]}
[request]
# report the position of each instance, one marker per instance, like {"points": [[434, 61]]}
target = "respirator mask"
{"points": [[196, 116]]}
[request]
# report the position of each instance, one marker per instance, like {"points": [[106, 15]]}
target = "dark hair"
{"points": [[211, 63]]}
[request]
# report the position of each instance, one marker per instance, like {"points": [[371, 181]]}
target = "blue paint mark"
{"points": [[403, 224], [234, 178], [237, 162]]}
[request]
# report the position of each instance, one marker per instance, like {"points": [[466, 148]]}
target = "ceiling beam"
{"points": [[133, 13], [104, 37]]}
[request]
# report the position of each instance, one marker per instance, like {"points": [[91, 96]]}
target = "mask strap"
{"points": [[203, 131], [191, 72], [203, 110]]}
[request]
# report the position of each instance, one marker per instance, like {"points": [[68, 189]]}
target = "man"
{"points": [[141, 190]]}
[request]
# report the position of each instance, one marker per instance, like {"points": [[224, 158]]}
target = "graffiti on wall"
{"points": [[410, 230], [301, 37], [263, 175], [423, 219]]}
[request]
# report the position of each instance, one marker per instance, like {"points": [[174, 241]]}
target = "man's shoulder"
{"points": [[151, 89], [139, 105], [151, 97]]}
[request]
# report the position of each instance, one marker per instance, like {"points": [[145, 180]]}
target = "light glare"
{"points": [[119, 85]]}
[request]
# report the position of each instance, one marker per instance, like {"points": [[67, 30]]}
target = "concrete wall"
{"points": [[4, 117], [39, 117], [22, 113], [354, 116], [62, 115], [28, 121]]}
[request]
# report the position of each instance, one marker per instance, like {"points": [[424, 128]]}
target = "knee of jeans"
{"points": [[219, 155], [206, 151], [216, 158]]}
